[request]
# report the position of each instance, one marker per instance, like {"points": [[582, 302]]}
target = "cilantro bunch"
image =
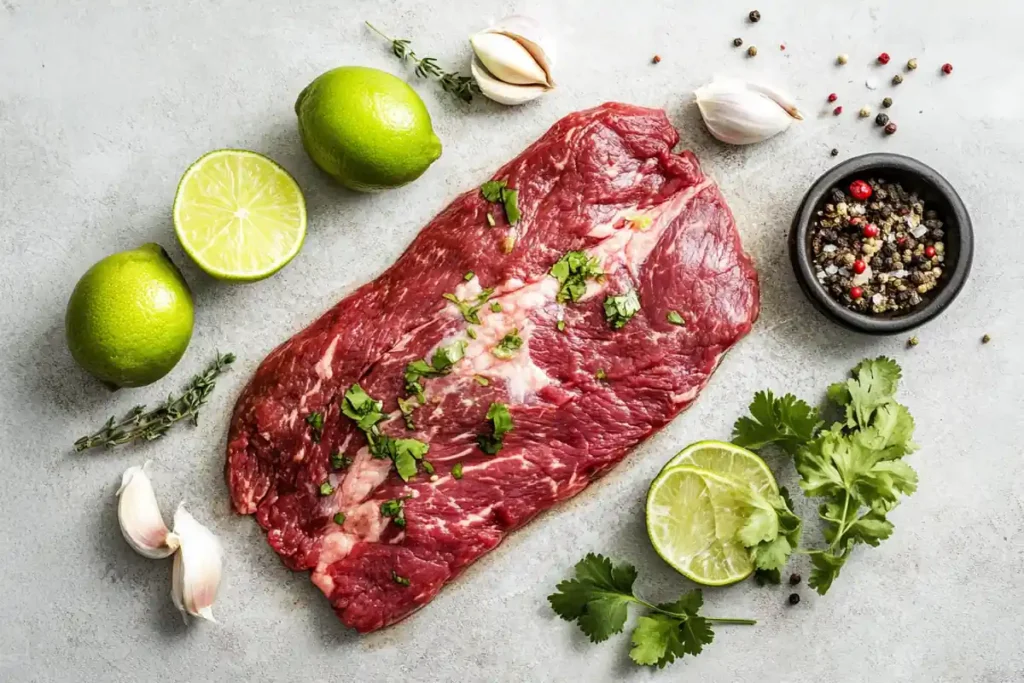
{"points": [[598, 600], [855, 467]]}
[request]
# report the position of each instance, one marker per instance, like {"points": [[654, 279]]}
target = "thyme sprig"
{"points": [[463, 87], [142, 425]]}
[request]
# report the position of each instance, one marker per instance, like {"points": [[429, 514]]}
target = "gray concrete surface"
{"points": [[104, 104]]}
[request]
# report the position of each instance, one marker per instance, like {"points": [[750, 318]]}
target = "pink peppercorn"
{"points": [[837, 111], [859, 266], [832, 97], [856, 292], [871, 230], [883, 58], [947, 68], [929, 251], [860, 190]]}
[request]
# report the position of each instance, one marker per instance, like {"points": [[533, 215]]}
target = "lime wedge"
{"points": [[692, 519], [727, 460], [239, 215]]}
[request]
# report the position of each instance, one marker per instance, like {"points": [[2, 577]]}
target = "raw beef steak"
{"points": [[580, 393]]}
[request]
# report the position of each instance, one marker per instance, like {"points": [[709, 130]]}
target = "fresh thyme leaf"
{"points": [[142, 425], [509, 345], [620, 309], [470, 308], [572, 272], [676, 319], [316, 426], [463, 87], [502, 421]]}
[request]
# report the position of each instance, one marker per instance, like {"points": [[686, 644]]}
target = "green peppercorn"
{"points": [[913, 341], [882, 119], [751, 51], [755, 16], [897, 79], [911, 64], [986, 339], [737, 41], [887, 102]]}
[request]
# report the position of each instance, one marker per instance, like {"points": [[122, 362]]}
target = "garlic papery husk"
{"points": [[138, 513], [742, 113], [512, 60], [198, 567]]}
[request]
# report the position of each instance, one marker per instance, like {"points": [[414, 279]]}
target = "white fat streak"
{"points": [[323, 366], [362, 477]]}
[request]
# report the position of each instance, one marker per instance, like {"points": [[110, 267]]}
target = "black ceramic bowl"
{"points": [[937, 194]]}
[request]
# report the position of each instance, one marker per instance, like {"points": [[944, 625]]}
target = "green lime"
{"points": [[693, 517], [728, 460], [366, 128], [129, 319], [239, 215]]}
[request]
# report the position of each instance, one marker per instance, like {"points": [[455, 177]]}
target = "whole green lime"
{"points": [[366, 128], [129, 319]]}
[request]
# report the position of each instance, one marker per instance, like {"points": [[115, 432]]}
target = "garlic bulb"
{"points": [[197, 569], [742, 113], [139, 516], [512, 62]]}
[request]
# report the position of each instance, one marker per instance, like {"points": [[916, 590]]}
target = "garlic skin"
{"points": [[512, 60], [742, 113], [198, 567], [139, 516]]}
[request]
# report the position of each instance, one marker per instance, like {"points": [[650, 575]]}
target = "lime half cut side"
{"points": [[239, 215], [728, 460], [692, 519]]}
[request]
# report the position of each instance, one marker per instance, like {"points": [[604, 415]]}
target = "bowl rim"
{"points": [[801, 258]]}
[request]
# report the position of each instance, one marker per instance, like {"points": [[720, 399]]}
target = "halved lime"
{"points": [[728, 460], [239, 215], [693, 516]]}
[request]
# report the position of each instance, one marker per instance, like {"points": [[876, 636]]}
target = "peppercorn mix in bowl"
{"points": [[881, 244]]}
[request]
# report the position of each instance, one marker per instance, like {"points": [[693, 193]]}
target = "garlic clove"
{"points": [[531, 35], [501, 92], [198, 567], [741, 113], [507, 59], [139, 516]]}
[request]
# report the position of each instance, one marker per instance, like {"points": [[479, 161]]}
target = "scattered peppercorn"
{"points": [[913, 341], [754, 16], [887, 102], [897, 79], [911, 64], [947, 68], [837, 111], [737, 41], [864, 112], [655, 59], [794, 599], [782, 47], [832, 97], [890, 128], [929, 251], [860, 190], [883, 58], [882, 119], [871, 231], [834, 152], [751, 51], [859, 266], [986, 339], [794, 579], [842, 59], [856, 293]]}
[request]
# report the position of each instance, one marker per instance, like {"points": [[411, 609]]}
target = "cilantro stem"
{"points": [[843, 526], [684, 617]]}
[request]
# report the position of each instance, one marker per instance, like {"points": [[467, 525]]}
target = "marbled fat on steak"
{"points": [[582, 186]]}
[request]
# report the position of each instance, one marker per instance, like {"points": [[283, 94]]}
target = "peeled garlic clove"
{"points": [[507, 59], [741, 113], [531, 35], [501, 92], [139, 516], [198, 567]]}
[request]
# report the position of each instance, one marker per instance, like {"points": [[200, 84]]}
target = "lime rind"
{"points": [[239, 215], [728, 460]]}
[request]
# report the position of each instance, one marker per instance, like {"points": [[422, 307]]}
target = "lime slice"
{"points": [[727, 460], [239, 215], [692, 519]]}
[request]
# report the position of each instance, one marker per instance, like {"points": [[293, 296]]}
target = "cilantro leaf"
{"points": [[405, 453], [501, 419], [572, 272], [316, 426], [771, 530], [440, 364], [596, 578], [824, 570], [656, 641], [359, 406], [491, 190], [872, 386], [508, 346], [620, 309], [786, 421], [675, 318], [470, 308], [499, 191], [510, 200]]}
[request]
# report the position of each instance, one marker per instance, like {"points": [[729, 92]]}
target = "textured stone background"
{"points": [[104, 104]]}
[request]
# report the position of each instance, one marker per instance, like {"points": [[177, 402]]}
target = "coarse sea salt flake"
{"points": [[832, 270], [821, 274], [828, 248], [877, 299], [899, 274], [918, 231]]}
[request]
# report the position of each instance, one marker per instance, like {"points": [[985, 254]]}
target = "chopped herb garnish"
{"points": [[339, 518], [316, 426], [572, 272], [510, 199], [618, 310], [492, 443], [427, 466], [509, 345], [339, 461], [471, 332], [400, 580], [406, 406], [359, 406], [326, 489], [395, 509], [601, 374], [469, 276], [440, 364], [405, 453], [495, 307], [481, 380], [509, 244], [490, 219], [491, 190], [457, 470], [675, 318], [499, 191], [470, 308], [561, 326]]}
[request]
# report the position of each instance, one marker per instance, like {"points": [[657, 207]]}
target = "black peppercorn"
{"points": [[794, 579], [882, 119], [887, 102], [794, 599], [737, 41], [834, 152], [890, 128], [755, 16]]}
